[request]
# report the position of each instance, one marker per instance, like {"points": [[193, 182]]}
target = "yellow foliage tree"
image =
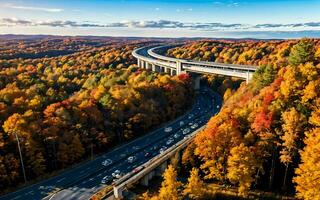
{"points": [[170, 186], [242, 166], [292, 127], [308, 176], [195, 188]]}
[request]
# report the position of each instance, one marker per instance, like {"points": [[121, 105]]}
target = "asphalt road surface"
{"points": [[84, 180]]}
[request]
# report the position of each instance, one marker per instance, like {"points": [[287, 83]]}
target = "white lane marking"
{"points": [[88, 168], [58, 181], [81, 171], [84, 182], [17, 197], [30, 192], [99, 175]]}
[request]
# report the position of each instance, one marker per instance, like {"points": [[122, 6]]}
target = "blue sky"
{"points": [[163, 18]]}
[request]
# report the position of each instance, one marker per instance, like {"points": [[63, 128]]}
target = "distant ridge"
{"points": [[26, 37]]}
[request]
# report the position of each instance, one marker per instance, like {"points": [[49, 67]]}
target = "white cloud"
{"points": [[31, 8], [162, 24], [190, 9], [157, 9]]}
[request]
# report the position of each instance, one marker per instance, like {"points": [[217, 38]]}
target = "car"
{"points": [[190, 124], [194, 126], [147, 155], [131, 159], [190, 116], [218, 106], [181, 123], [186, 131], [136, 147], [107, 162], [106, 179], [169, 141], [168, 129], [117, 174], [162, 149], [176, 135], [138, 169]]}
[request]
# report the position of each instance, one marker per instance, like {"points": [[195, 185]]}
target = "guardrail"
{"points": [[150, 165], [153, 53], [156, 161]]}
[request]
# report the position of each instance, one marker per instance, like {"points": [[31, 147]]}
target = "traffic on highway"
{"points": [[84, 180]]}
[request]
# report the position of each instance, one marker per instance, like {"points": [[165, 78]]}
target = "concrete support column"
{"points": [[143, 64], [139, 63], [145, 180], [117, 192], [248, 77], [153, 67], [166, 70], [179, 67], [148, 65], [161, 169]]}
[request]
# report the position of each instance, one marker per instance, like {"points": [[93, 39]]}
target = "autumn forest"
{"points": [[66, 109], [266, 136], [67, 99]]}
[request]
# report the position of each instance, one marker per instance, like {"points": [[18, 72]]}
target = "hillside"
{"points": [[267, 134], [64, 109]]}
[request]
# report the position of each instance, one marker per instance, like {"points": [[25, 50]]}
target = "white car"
{"points": [[131, 159], [194, 126], [169, 141], [106, 179], [168, 129], [181, 123], [117, 174], [176, 135], [186, 131], [107, 162]]}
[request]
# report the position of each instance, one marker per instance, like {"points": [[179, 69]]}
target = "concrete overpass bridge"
{"points": [[151, 58]]}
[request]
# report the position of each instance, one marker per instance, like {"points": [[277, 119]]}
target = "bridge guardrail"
{"points": [[153, 163]]}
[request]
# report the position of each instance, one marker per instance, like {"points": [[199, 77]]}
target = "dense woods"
{"points": [[65, 108], [266, 136], [245, 52]]}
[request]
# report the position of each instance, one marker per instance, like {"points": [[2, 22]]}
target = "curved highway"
{"points": [[84, 180], [151, 55]]}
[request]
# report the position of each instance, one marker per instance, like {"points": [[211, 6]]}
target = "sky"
{"points": [[163, 18]]}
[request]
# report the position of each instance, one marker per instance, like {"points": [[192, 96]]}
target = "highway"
{"points": [[147, 56], [84, 180]]}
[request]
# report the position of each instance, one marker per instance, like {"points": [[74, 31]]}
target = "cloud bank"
{"points": [[31, 8], [164, 24]]}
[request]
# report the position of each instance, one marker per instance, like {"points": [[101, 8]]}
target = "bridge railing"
{"points": [[153, 53], [154, 163]]}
